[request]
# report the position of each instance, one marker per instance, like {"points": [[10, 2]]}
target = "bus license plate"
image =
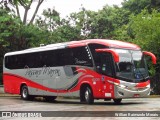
{"points": [[136, 95]]}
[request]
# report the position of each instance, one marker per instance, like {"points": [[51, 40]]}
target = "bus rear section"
{"points": [[89, 69]]}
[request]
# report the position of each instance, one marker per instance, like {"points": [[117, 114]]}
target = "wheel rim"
{"points": [[86, 95], [25, 93]]}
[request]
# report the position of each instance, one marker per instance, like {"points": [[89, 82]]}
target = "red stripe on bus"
{"points": [[13, 82]]}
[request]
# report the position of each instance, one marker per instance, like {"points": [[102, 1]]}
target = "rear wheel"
{"points": [[87, 95], [25, 94], [117, 101]]}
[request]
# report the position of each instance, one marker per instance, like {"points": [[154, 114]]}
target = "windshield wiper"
{"points": [[144, 78]]}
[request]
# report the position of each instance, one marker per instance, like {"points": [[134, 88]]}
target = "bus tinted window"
{"points": [[95, 55], [15, 62], [70, 56], [48, 58], [75, 56], [82, 56], [65, 57]]}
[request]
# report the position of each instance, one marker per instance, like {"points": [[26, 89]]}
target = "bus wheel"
{"points": [[117, 101], [50, 98], [25, 94], [88, 95]]}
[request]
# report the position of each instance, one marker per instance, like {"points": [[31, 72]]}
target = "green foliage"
{"points": [[51, 20], [65, 33], [145, 27], [16, 36], [103, 26], [60, 30], [136, 6], [122, 33]]}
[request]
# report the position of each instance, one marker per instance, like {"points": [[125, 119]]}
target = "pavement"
{"points": [[72, 109]]}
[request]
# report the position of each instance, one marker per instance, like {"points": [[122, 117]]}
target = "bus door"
{"points": [[106, 64], [107, 70]]}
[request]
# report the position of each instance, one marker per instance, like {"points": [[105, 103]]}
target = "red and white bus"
{"points": [[89, 69]]}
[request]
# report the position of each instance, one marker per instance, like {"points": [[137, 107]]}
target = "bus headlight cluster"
{"points": [[122, 86]]}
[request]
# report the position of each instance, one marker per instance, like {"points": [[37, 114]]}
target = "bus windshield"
{"points": [[131, 65]]}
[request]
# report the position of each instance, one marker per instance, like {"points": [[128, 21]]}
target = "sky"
{"points": [[65, 7]]}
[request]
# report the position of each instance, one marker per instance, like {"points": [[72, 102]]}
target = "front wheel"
{"points": [[117, 101], [88, 95]]}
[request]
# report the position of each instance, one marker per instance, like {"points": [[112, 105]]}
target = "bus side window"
{"points": [[65, 57], [8, 62], [52, 59], [95, 55], [82, 56]]}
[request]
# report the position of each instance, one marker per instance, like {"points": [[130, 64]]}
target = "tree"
{"points": [[26, 4], [136, 6], [49, 20], [16, 36], [145, 27], [61, 30], [110, 20], [155, 4], [65, 33], [6, 27], [94, 24]]}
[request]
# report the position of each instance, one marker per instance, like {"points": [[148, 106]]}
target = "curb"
{"points": [[154, 96], [8, 95]]}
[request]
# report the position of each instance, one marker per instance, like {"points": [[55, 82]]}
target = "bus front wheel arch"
{"points": [[25, 93], [86, 94]]}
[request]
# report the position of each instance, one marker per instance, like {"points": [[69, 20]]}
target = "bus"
{"points": [[89, 69]]}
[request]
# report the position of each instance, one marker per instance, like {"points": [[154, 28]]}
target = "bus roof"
{"points": [[106, 42]]}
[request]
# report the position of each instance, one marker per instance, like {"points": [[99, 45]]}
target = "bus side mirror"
{"points": [[154, 59], [113, 52]]}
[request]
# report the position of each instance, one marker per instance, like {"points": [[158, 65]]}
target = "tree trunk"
{"points": [[25, 15], [34, 15]]}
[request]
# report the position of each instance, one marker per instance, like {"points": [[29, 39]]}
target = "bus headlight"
{"points": [[122, 86], [148, 86]]}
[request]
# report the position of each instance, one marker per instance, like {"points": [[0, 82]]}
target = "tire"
{"points": [[88, 95], [117, 101], [25, 94], [50, 98]]}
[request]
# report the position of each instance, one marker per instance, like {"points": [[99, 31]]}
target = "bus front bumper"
{"points": [[120, 92]]}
